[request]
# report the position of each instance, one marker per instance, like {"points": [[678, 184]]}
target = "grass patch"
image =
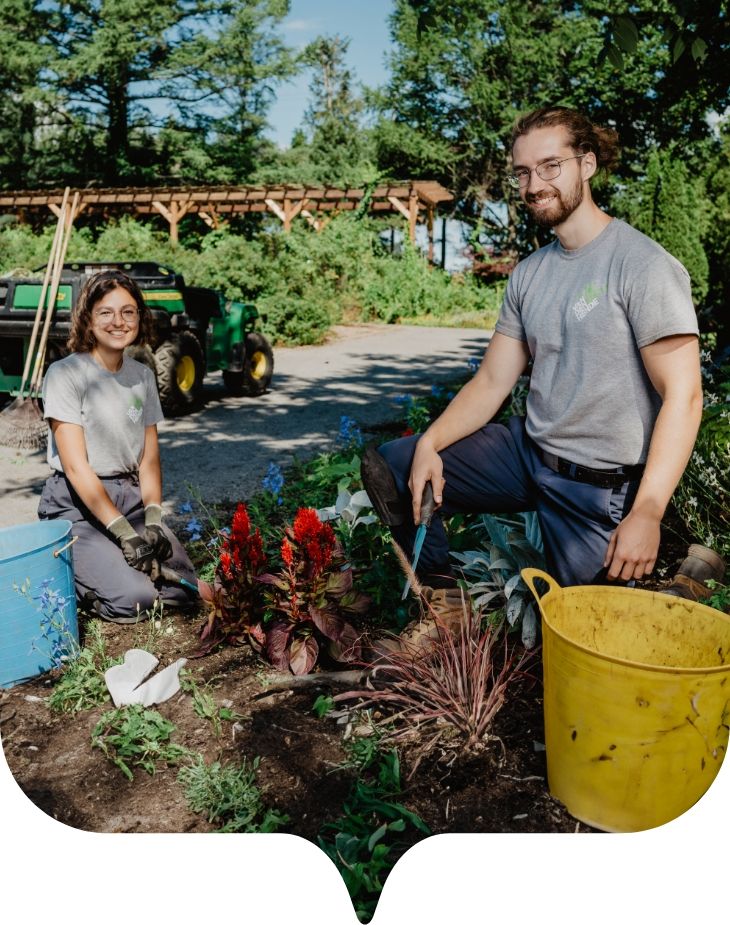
{"points": [[229, 796], [82, 685]]}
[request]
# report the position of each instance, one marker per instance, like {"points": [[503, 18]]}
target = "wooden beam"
{"points": [[286, 201], [276, 209], [163, 210], [399, 206], [317, 223], [314, 222]]}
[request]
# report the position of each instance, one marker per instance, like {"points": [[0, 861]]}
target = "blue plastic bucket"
{"points": [[38, 621]]}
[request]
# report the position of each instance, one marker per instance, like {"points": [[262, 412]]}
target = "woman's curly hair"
{"points": [[81, 339]]}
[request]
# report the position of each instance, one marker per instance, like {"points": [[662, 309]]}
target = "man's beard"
{"points": [[560, 209]]}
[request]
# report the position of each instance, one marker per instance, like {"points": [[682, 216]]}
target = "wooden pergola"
{"points": [[316, 204]]}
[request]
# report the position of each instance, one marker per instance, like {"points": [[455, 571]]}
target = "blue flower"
{"points": [[273, 481], [437, 391], [350, 434], [474, 363], [402, 399], [194, 528], [185, 508]]}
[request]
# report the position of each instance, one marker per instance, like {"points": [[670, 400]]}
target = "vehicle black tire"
{"points": [[144, 354], [180, 371], [235, 382], [258, 364]]}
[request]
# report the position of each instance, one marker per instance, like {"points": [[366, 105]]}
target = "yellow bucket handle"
{"points": [[530, 574]]}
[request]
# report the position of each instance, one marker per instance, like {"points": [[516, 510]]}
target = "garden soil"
{"points": [[303, 771], [223, 450]]}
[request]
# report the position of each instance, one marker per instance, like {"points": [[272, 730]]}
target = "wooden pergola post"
{"points": [[286, 212], [173, 214], [412, 214], [57, 211], [429, 227]]}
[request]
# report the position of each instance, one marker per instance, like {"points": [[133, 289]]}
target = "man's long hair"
{"points": [[583, 135]]}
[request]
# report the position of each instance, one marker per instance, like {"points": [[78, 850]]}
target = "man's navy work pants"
{"points": [[499, 470]]}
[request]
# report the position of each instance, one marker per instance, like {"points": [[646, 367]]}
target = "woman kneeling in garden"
{"points": [[103, 409]]}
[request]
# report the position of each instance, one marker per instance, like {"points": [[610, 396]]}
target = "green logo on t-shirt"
{"points": [[134, 412], [588, 300]]}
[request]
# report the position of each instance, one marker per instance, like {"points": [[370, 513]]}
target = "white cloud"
{"points": [[300, 25]]}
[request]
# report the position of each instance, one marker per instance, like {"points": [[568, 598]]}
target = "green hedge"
{"points": [[303, 281]]}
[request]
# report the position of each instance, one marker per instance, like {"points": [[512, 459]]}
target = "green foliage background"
{"points": [[78, 81], [301, 282]]}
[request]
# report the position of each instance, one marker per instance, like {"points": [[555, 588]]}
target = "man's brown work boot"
{"points": [[701, 565], [440, 610]]}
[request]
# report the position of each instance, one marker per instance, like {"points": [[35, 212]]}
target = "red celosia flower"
{"points": [[241, 526], [256, 552], [408, 432], [306, 524], [287, 553], [226, 565]]}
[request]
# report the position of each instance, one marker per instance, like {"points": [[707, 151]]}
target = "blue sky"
{"points": [[364, 22]]}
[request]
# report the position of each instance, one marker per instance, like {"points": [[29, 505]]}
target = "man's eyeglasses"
{"points": [[106, 315], [547, 171]]}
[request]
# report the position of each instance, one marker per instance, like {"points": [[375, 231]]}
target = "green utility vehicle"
{"points": [[196, 331]]}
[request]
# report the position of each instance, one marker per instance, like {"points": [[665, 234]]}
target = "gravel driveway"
{"points": [[224, 449]]}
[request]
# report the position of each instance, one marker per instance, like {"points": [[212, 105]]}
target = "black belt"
{"points": [[603, 478], [132, 476]]}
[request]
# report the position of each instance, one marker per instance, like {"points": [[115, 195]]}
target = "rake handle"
{"points": [[44, 290], [55, 281]]}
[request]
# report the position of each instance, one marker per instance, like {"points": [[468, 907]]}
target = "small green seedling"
{"points": [[323, 705], [134, 735]]}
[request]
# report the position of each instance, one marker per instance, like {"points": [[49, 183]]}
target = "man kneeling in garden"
{"points": [[605, 314]]}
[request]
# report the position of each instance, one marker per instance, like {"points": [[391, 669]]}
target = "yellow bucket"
{"points": [[637, 692]]}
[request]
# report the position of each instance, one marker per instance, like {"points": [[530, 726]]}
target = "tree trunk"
{"points": [[117, 160]]}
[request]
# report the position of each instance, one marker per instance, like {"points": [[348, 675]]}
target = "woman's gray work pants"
{"points": [[99, 564]]}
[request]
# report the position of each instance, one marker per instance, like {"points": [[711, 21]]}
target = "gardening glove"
{"points": [[154, 534], [137, 551]]}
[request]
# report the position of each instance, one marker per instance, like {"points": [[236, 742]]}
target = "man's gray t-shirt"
{"points": [[585, 315], [113, 409]]}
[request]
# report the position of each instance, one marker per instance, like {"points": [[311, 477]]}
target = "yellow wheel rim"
{"points": [[185, 373], [258, 365]]}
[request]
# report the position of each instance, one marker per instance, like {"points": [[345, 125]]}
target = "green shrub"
{"points": [[702, 498], [303, 282], [671, 207]]}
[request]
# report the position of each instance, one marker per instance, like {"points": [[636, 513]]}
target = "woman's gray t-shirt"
{"points": [[585, 314], [113, 409]]}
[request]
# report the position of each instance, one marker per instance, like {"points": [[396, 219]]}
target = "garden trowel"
{"points": [[169, 574], [427, 509]]}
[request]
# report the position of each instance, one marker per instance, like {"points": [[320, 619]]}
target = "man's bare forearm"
{"points": [[481, 398], [671, 445]]}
